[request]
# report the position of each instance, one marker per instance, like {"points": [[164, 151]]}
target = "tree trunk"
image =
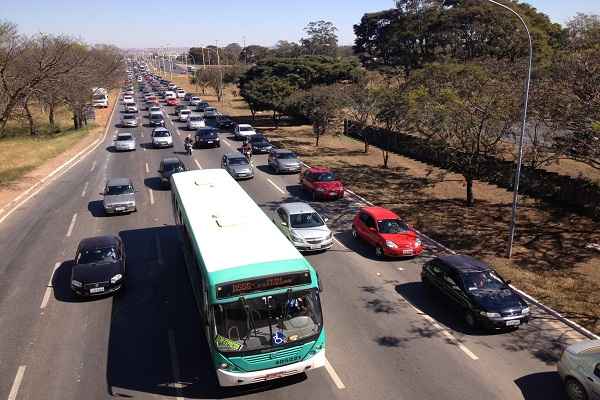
{"points": [[51, 121], [32, 130], [275, 119], [253, 112], [386, 157], [317, 136], [366, 140], [470, 195]]}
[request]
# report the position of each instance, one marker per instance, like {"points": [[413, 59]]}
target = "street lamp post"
{"points": [[517, 178]]}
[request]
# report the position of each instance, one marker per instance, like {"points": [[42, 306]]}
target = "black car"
{"points": [[260, 145], [156, 119], [207, 137], [225, 123], [483, 297], [201, 106], [99, 266], [168, 167]]}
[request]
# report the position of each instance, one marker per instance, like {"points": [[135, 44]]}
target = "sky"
{"points": [[150, 23]]}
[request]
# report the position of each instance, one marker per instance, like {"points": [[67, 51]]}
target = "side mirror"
{"points": [[508, 282], [325, 219], [283, 223]]}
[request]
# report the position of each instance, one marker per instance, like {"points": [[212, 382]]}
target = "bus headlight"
{"points": [[224, 366], [116, 278]]}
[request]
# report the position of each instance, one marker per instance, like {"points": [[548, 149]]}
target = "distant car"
{"points": [[194, 101], [207, 137], [386, 233], [180, 93], [130, 108], [187, 97], [156, 119], [484, 299], [172, 102], [194, 122], [169, 94], [579, 369], [237, 166], [303, 226], [129, 92], [168, 167], [225, 123], [129, 120], [210, 112], [154, 109], [260, 144], [128, 99], [124, 142], [184, 114], [161, 137], [99, 266], [119, 196], [321, 183], [243, 131], [281, 160], [201, 106], [180, 107]]}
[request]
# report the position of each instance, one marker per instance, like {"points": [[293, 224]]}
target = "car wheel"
{"points": [[470, 320], [379, 252], [355, 233], [575, 390], [277, 169]]}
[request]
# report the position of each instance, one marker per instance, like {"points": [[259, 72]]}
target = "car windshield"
{"points": [[207, 133], [484, 280], [156, 116], [306, 220], [124, 137], [118, 189], [257, 139], [392, 226], [154, 109], [245, 128], [282, 320], [326, 177], [238, 161], [185, 112], [161, 134], [195, 119], [173, 166], [99, 256], [128, 116], [286, 155], [195, 98], [99, 97]]}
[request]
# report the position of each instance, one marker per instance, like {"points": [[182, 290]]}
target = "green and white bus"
{"points": [[258, 297]]}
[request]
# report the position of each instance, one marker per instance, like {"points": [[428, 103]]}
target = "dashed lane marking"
{"points": [[197, 164], [72, 225], [275, 185], [93, 166], [175, 365], [151, 196], [227, 142], [48, 290], [147, 169], [334, 376], [14, 390], [84, 189]]}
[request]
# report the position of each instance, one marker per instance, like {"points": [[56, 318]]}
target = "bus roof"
{"points": [[230, 231]]}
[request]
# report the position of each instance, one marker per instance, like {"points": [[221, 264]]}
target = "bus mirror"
{"points": [[283, 223]]}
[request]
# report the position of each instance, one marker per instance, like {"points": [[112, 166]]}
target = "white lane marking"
{"points": [[175, 365], [275, 185], [144, 149], [227, 142], [14, 390], [178, 133], [84, 189], [48, 291], [60, 170], [72, 225], [339, 243], [334, 376], [151, 196], [147, 169], [197, 164], [93, 166], [142, 133], [468, 352], [400, 269]]}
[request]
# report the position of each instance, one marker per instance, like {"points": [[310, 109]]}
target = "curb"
{"points": [[59, 171], [573, 325]]}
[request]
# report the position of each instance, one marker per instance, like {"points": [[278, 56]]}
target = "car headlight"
{"points": [[330, 235], [296, 238], [76, 283], [116, 278], [525, 310], [391, 244], [320, 190], [418, 242], [489, 314]]}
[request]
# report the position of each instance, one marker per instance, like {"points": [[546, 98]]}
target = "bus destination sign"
{"points": [[239, 288]]}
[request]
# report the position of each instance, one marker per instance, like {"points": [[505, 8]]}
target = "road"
{"points": [[387, 337]]}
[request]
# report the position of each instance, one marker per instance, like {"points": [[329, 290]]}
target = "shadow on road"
{"points": [[96, 208], [155, 183], [541, 386]]}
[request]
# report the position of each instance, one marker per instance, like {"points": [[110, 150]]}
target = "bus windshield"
{"points": [[261, 323]]}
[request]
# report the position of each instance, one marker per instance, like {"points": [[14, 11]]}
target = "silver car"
{"points": [[184, 114], [124, 142], [195, 122], [161, 137], [579, 369], [281, 160], [130, 108], [129, 120], [119, 196], [303, 226], [237, 166], [195, 100]]}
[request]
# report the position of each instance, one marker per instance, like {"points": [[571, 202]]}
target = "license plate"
{"points": [[209, 141], [408, 252], [120, 209], [97, 290], [514, 322], [274, 376], [315, 246], [332, 193]]}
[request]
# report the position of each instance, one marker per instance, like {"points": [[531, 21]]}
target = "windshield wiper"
{"points": [[249, 320]]}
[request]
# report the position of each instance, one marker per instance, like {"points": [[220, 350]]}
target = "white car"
{"points": [[130, 108], [243, 131], [195, 100], [194, 122], [124, 142], [579, 369], [184, 114], [303, 226], [161, 137], [180, 93], [128, 99], [170, 95], [154, 109]]}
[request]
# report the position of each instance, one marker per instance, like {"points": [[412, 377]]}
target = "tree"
{"points": [[362, 106], [583, 31], [322, 105], [231, 54], [463, 109], [392, 112], [253, 54], [321, 38], [285, 49]]}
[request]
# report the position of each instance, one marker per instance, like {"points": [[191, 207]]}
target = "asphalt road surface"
{"points": [[387, 337]]}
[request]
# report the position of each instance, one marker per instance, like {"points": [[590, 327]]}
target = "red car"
{"points": [[172, 102], [321, 183], [386, 232]]}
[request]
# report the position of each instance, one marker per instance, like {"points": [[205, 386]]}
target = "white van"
{"points": [[170, 95]]}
